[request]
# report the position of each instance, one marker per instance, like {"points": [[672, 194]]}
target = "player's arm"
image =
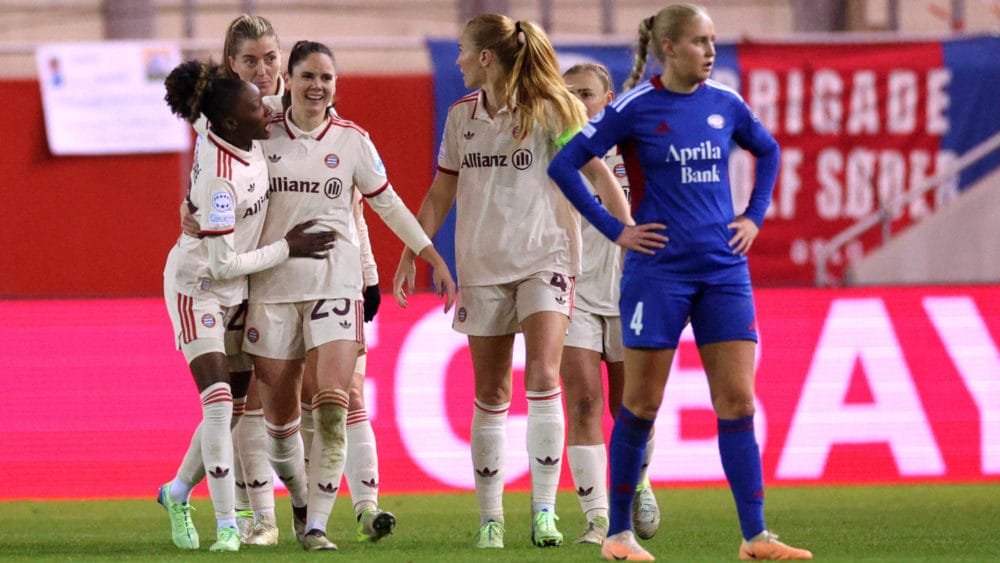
{"points": [[369, 269]]}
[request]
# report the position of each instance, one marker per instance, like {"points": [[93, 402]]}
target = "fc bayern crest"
{"points": [[253, 335], [332, 160], [620, 170], [208, 320], [462, 315]]}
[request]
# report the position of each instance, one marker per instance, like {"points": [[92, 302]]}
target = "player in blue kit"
{"points": [[674, 131]]}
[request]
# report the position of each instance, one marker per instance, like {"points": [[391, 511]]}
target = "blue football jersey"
{"points": [[676, 149]]}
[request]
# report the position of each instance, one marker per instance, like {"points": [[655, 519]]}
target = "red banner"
{"points": [[853, 386], [859, 126]]}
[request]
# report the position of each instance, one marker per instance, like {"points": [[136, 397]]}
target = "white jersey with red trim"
{"points": [[597, 286], [229, 199], [511, 220], [313, 175]]}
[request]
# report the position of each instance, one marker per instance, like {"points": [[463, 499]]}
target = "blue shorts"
{"points": [[654, 312]]}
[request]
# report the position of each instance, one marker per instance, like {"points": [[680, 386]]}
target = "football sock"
{"points": [[242, 498], [284, 450], [251, 435], [361, 467], [628, 442], [191, 470], [589, 466], [741, 463], [545, 437], [217, 448], [489, 447], [329, 450], [307, 428]]}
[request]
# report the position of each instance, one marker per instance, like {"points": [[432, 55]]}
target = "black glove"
{"points": [[373, 297]]}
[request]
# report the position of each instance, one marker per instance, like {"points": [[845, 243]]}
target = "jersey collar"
{"points": [[294, 132], [242, 156], [479, 111]]}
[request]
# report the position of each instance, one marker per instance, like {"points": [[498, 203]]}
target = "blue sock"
{"points": [[741, 462], [628, 447]]}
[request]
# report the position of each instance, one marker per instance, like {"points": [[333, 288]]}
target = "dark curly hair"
{"points": [[195, 88]]}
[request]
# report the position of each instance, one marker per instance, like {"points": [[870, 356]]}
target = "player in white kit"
{"points": [[595, 334], [205, 277], [316, 162], [517, 249]]}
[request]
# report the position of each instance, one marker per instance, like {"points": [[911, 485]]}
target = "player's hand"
{"points": [[189, 225], [308, 245], [405, 278], [373, 298], [445, 286], [643, 238], [746, 232]]}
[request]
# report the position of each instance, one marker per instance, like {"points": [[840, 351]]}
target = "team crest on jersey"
{"points": [[205, 284], [462, 314], [253, 335], [620, 170], [716, 121], [222, 201], [332, 160], [208, 320]]}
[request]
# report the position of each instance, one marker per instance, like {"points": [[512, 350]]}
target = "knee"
{"points": [[356, 399], [585, 409], [733, 406]]}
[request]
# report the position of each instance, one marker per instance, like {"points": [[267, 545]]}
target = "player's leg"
{"points": [[361, 467], [251, 435], [486, 315], [331, 342], [544, 304], [723, 318]]}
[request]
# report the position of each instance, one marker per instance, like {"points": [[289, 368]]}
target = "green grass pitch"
{"points": [[886, 523]]}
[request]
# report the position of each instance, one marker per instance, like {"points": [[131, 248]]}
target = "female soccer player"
{"points": [[594, 334], [675, 129], [205, 278], [313, 310], [517, 243]]}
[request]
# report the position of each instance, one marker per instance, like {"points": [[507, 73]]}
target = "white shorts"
{"points": [[284, 331], [202, 326], [599, 333], [495, 310]]}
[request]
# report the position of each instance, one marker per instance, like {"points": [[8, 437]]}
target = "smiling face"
{"points": [[590, 89], [692, 55], [313, 82], [468, 61], [258, 61]]}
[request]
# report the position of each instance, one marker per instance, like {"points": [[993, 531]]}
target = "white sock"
{"points": [[329, 449], [217, 448], [190, 472], [589, 466], [251, 435], [546, 436], [361, 467], [489, 449], [644, 472], [284, 450], [308, 429], [242, 498]]}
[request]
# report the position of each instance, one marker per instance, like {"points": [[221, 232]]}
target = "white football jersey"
{"points": [[597, 286], [313, 175], [511, 220], [228, 198]]}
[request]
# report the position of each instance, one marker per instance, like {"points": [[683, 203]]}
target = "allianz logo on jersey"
{"points": [[521, 160], [332, 188], [703, 151]]}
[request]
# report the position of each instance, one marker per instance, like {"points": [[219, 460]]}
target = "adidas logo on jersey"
{"points": [[274, 157], [468, 135], [345, 324]]}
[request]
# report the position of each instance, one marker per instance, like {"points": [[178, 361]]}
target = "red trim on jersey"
{"points": [[472, 97], [447, 171], [339, 122], [633, 169], [185, 310], [325, 129], [378, 191], [226, 150], [287, 128], [216, 233]]}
